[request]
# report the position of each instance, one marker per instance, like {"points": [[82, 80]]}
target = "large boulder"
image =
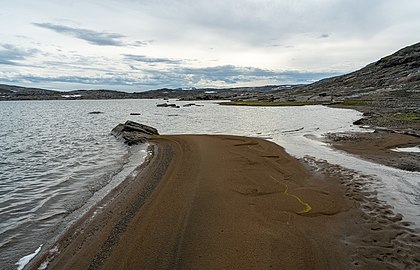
{"points": [[133, 132]]}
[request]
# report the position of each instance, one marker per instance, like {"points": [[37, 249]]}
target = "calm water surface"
{"points": [[57, 159]]}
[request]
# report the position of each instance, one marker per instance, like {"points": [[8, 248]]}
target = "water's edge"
{"points": [[139, 157]]}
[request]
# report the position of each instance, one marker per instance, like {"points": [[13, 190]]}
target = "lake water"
{"points": [[57, 160]]}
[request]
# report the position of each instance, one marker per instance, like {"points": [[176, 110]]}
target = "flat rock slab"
{"points": [[134, 133]]}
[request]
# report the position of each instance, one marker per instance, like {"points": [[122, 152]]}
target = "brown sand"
{"points": [[227, 202], [377, 147]]}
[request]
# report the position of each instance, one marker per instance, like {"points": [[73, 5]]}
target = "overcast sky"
{"points": [[137, 45]]}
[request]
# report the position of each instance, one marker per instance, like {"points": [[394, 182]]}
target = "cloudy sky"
{"points": [[136, 45]]}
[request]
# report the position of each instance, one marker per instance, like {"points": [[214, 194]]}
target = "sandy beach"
{"points": [[228, 202], [377, 147]]}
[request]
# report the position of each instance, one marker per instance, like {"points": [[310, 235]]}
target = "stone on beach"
{"points": [[133, 132]]}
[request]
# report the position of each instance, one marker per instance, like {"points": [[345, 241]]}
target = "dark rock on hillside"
{"points": [[133, 132]]}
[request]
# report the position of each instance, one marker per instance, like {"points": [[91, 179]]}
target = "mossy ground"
{"points": [[351, 102], [404, 116], [298, 103], [267, 103]]}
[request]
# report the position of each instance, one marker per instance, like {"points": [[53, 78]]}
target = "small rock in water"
{"points": [[167, 105], [134, 113], [95, 112], [192, 104]]}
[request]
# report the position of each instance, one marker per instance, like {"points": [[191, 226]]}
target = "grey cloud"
{"points": [[151, 60], [227, 73], [232, 74], [111, 81], [10, 54], [255, 21], [139, 43], [134, 67], [146, 79], [91, 36]]}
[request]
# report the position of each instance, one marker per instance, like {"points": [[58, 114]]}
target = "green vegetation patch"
{"points": [[404, 116], [267, 103], [355, 102]]}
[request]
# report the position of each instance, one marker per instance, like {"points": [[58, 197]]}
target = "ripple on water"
{"points": [[51, 164]]}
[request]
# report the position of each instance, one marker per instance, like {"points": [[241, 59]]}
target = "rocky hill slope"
{"points": [[400, 70], [396, 76], [16, 90]]}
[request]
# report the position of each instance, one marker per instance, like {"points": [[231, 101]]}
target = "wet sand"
{"points": [[228, 202], [377, 147]]}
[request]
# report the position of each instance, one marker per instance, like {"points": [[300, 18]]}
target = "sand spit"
{"points": [[378, 147], [229, 202]]}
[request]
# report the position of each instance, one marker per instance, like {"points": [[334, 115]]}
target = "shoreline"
{"points": [[377, 147], [97, 214], [386, 134], [212, 202]]}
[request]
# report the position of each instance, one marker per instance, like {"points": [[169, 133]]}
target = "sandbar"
{"points": [[230, 202]]}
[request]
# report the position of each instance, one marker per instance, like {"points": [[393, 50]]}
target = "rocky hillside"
{"points": [[16, 90], [10, 92], [394, 76], [397, 71]]}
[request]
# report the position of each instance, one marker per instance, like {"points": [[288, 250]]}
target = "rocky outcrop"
{"points": [[167, 105], [133, 132], [191, 104]]}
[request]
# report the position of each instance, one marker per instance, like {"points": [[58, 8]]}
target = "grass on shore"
{"points": [[268, 103], [355, 102], [407, 116], [344, 103], [351, 103]]}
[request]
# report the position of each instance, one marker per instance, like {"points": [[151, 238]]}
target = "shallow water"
{"points": [[414, 149], [56, 157]]}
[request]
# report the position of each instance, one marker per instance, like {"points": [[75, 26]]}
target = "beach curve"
{"points": [[217, 202]]}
